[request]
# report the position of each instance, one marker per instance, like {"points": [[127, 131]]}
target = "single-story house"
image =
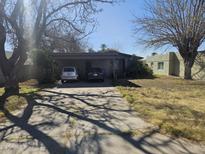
{"points": [[112, 62], [172, 64]]}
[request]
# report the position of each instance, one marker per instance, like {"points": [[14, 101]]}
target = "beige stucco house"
{"points": [[172, 64]]}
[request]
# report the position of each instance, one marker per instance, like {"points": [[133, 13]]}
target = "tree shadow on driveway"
{"points": [[23, 123], [55, 110]]}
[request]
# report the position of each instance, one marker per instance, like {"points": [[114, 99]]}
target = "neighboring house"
{"points": [[112, 62], [172, 64]]}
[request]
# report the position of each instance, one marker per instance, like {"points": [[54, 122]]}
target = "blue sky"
{"points": [[115, 28]]}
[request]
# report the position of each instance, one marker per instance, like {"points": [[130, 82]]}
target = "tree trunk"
{"points": [[188, 63], [11, 85], [11, 88], [187, 71], [189, 57]]}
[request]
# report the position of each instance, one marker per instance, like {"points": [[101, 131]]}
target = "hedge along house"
{"points": [[112, 62], [172, 64]]}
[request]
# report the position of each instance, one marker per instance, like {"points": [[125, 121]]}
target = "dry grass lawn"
{"points": [[175, 105]]}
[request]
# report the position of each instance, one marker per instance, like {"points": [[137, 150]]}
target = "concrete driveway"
{"points": [[84, 120]]}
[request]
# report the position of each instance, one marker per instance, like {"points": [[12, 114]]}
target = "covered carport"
{"points": [[112, 62]]}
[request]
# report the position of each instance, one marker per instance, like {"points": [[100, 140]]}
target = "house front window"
{"points": [[152, 64], [160, 65]]}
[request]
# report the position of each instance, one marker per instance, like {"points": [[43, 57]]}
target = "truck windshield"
{"points": [[96, 70], [68, 69]]}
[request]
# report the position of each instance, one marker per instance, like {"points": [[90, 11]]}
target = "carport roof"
{"points": [[96, 55]]}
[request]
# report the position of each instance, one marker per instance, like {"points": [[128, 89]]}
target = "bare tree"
{"points": [[91, 50], [64, 44], [179, 23], [25, 24]]}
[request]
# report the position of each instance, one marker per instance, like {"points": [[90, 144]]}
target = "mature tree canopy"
{"points": [[179, 23], [65, 44], [103, 47]]}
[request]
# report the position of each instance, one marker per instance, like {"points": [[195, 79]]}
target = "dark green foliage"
{"points": [[46, 69], [137, 69], [103, 47]]}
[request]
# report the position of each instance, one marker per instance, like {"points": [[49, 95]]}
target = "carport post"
{"points": [[114, 70]]}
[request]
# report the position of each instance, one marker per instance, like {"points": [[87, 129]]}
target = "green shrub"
{"points": [[46, 69], [137, 69]]}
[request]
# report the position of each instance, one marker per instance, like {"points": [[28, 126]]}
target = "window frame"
{"points": [[160, 65]]}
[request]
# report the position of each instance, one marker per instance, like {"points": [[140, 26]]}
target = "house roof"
{"points": [[111, 54]]}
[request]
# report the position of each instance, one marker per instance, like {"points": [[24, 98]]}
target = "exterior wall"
{"points": [[180, 65], [198, 70], [174, 65], [153, 61]]}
